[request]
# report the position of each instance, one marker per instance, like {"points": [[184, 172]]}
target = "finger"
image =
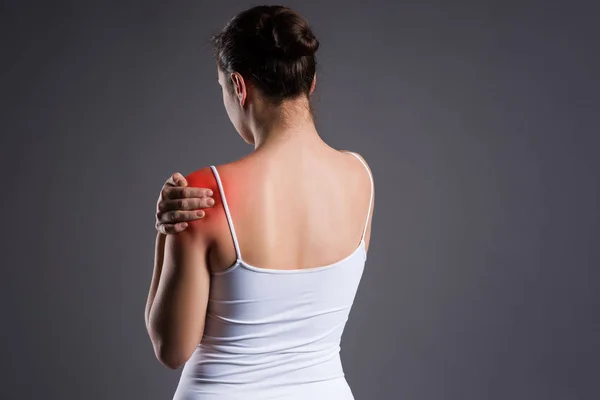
{"points": [[166, 229], [180, 179], [194, 203], [179, 192], [176, 180], [175, 217]]}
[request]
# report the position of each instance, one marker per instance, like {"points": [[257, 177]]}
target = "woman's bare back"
{"points": [[291, 209]]}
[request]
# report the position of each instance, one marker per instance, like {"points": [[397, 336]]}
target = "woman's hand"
{"points": [[178, 203]]}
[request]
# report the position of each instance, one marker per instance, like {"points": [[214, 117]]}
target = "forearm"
{"points": [[159, 252]]}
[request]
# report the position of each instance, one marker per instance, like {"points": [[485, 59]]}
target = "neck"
{"points": [[290, 125]]}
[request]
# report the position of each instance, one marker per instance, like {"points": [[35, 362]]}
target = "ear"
{"points": [[313, 84], [239, 86]]}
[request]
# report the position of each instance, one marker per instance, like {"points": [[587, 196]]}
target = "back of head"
{"points": [[273, 47]]}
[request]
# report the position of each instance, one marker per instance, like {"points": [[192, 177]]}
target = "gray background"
{"points": [[479, 121]]}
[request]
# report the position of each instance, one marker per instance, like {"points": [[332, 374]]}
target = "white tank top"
{"points": [[274, 334]]}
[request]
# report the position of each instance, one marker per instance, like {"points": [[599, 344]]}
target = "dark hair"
{"points": [[272, 46]]}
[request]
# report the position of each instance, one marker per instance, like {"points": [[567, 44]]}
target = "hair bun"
{"points": [[291, 35]]}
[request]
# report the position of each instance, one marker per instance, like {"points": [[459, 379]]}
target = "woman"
{"points": [[253, 295]]}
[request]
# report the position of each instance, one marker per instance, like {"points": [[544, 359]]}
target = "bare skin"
{"points": [[299, 223]]}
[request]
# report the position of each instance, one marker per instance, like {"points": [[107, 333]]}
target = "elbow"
{"points": [[170, 363], [171, 349], [169, 357], [164, 350]]}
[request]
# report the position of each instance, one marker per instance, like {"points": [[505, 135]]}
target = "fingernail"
{"points": [[210, 202], [200, 214], [209, 192], [184, 225]]}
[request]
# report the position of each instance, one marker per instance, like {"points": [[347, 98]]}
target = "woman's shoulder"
{"points": [[206, 172], [202, 177], [353, 154], [226, 173]]}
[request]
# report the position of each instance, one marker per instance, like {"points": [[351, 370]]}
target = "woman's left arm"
{"points": [[176, 306]]}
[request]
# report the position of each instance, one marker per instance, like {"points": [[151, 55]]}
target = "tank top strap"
{"points": [[372, 189], [227, 212]]}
